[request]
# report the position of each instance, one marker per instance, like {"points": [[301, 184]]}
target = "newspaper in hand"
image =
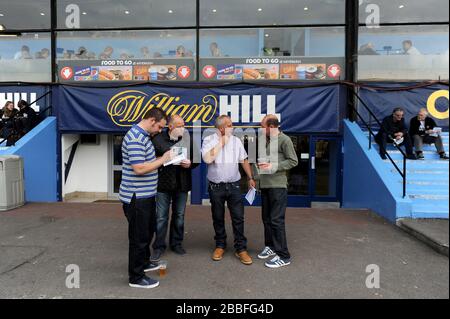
{"points": [[180, 155], [250, 197]]}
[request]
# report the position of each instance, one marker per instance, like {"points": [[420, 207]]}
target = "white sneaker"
{"points": [[277, 262], [266, 253]]}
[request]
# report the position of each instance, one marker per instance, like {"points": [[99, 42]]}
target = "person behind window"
{"points": [[422, 131], [44, 54], [367, 49], [107, 53], [214, 48], [145, 53], [23, 54], [181, 51], [393, 130], [27, 116], [409, 49], [157, 55], [81, 54]]}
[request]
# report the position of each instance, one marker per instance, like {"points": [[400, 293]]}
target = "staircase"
{"points": [[427, 180]]}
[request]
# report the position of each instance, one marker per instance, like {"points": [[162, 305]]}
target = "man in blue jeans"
{"points": [[137, 193], [175, 181]]}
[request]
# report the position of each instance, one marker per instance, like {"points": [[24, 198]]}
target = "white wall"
{"points": [[89, 171]]}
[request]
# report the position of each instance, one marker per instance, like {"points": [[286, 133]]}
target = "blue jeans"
{"points": [[176, 235]]}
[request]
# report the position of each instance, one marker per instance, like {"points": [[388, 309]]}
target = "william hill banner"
{"points": [[84, 109]]}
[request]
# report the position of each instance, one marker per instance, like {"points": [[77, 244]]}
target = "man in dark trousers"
{"points": [[393, 130], [422, 130], [273, 184], [137, 193], [174, 184]]}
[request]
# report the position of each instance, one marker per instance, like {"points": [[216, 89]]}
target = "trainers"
{"points": [[179, 250], [244, 257], [277, 262], [420, 156], [151, 266], [266, 253], [443, 156], [156, 256], [218, 254], [145, 282]]}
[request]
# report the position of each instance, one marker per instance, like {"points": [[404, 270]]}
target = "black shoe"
{"points": [[145, 282], [151, 266], [411, 157], [383, 156], [179, 250], [156, 255], [420, 156], [443, 156]]}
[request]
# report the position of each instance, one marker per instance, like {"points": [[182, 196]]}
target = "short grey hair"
{"points": [[220, 120]]}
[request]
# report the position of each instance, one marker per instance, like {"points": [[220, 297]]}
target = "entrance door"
{"points": [[325, 169], [116, 165]]}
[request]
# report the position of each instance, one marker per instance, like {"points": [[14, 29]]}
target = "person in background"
{"points": [[145, 53], [223, 153], [45, 53], [138, 191], [27, 116], [157, 55], [214, 48], [181, 51], [421, 129], [174, 184], [273, 184], [8, 122], [81, 54], [409, 49], [23, 54], [393, 130], [107, 53], [367, 49]]}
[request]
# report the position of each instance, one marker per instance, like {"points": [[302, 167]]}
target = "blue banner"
{"points": [[301, 110], [29, 93], [435, 98]]}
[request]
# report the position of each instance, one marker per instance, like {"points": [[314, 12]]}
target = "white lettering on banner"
{"points": [[17, 96], [234, 105], [73, 17]]}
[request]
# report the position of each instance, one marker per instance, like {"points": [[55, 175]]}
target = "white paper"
{"points": [[180, 155], [437, 132], [250, 197]]}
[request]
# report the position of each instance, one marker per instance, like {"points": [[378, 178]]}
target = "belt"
{"points": [[222, 183]]}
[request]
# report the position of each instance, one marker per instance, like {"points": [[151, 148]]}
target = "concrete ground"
{"points": [[331, 250]]}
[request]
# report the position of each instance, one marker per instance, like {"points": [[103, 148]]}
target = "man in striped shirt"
{"points": [[137, 193]]}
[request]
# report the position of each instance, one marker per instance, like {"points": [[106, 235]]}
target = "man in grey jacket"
{"points": [[273, 185]]}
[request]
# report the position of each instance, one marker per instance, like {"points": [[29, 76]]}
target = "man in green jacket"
{"points": [[273, 185]]}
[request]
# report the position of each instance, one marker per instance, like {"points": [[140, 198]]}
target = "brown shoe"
{"points": [[218, 254], [244, 257]]}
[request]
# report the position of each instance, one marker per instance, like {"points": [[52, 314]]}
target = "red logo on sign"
{"points": [[334, 71], [209, 71], [66, 73], [184, 72]]}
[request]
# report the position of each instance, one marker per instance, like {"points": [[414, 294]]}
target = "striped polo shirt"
{"points": [[137, 149]]}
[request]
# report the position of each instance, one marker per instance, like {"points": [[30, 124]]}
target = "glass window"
{"points": [[25, 14], [404, 53], [269, 12], [73, 14], [404, 11], [126, 55], [25, 58], [275, 53]]}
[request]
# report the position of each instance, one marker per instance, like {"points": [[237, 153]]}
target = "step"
{"points": [[438, 164], [430, 171], [431, 203], [433, 232], [427, 190], [442, 214], [442, 183], [430, 197]]}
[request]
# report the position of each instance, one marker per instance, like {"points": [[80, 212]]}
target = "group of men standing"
{"points": [[149, 188]]}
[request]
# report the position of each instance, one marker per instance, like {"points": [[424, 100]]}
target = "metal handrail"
{"points": [[40, 113], [371, 133]]}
